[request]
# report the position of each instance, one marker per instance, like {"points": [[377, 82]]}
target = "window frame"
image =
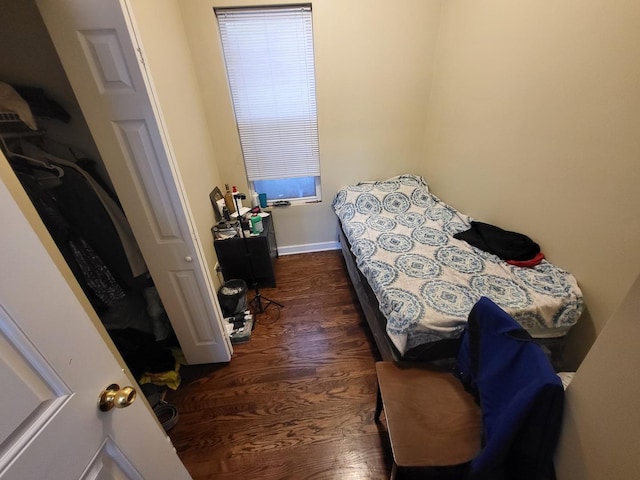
{"points": [[294, 149]]}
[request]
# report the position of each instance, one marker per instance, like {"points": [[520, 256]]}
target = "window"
{"points": [[270, 67]]}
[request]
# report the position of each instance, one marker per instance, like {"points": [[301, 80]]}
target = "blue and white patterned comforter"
{"points": [[426, 281]]}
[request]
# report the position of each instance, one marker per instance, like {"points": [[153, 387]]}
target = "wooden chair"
{"points": [[431, 420]]}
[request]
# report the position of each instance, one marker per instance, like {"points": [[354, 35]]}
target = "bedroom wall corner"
{"points": [[372, 84]]}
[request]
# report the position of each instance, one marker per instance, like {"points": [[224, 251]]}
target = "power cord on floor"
{"points": [[167, 414]]}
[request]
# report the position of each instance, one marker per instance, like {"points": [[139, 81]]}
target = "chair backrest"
{"points": [[520, 396]]}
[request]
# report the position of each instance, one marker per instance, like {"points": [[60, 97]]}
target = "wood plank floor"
{"points": [[297, 400]]}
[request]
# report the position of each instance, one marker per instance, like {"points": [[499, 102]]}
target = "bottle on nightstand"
{"points": [[228, 199]]}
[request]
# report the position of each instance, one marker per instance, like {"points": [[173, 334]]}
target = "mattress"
{"points": [[426, 281]]}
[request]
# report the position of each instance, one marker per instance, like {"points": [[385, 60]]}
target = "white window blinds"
{"points": [[269, 58]]}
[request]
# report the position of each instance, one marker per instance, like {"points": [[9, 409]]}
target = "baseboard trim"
{"points": [[308, 248]]}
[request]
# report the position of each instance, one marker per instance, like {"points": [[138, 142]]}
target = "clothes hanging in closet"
{"points": [[92, 273], [91, 231], [79, 186], [73, 210]]}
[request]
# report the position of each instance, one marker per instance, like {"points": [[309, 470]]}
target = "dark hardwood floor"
{"points": [[297, 400]]}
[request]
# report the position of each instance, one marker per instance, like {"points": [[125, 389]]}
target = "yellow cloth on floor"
{"points": [[169, 378]]}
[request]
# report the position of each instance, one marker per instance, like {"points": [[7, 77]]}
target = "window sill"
{"points": [[294, 203]]}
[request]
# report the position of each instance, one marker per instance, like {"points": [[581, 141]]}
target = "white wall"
{"points": [[600, 435], [533, 126], [373, 71]]}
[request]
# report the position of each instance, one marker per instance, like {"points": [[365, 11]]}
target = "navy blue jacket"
{"points": [[520, 396]]}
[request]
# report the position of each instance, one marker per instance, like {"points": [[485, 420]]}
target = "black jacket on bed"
{"points": [[503, 243]]}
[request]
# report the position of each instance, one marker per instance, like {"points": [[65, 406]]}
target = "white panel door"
{"points": [[97, 45], [53, 366]]}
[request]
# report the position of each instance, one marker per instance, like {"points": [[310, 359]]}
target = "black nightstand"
{"points": [[263, 250]]}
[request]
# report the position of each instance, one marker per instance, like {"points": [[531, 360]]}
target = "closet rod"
{"points": [[10, 135]]}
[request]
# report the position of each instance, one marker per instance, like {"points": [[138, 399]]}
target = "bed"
{"points": [[417, 283]]}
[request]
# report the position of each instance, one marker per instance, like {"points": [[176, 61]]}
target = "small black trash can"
{"points": [[233, 297]]}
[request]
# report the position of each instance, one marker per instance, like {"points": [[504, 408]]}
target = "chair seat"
{"points": [[431, 420]]}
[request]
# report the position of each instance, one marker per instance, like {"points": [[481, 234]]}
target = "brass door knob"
{"points": [[114, 396]]}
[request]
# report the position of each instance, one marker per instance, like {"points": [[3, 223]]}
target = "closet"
{"points": [[48, 145]]}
